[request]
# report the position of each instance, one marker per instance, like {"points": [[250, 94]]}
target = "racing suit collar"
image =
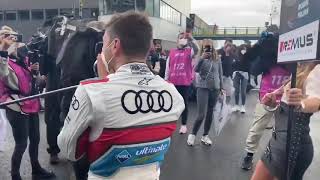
{"points": [[135, 68]]}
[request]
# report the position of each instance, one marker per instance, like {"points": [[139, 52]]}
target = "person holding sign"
{"points": [[306, 100]]}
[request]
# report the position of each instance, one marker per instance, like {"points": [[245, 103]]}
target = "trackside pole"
{"points": [[290, 122], [39, 95]]}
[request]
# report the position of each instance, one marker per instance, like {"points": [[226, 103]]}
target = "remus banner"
{"points": [[299, 30]]}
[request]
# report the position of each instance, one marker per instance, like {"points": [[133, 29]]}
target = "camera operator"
{"points": [[5, 42], [17, 82]]}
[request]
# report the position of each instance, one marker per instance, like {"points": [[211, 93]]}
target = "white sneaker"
{"points": [[243, 109], [236, 108], [183, 129], [206, 140], [191, 139]]}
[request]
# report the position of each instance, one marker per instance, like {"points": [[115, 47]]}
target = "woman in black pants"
{"points": [[209, 86], [24, 127], [22, 117], [241, 75], [306, 99]]}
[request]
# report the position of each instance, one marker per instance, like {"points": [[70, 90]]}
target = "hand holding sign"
{"points": [[294, 96]]}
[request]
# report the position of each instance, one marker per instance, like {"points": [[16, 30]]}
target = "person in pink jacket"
{"points": [[179, 70], [16, 82]]}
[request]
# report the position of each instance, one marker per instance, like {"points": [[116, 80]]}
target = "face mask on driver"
{"points": [[243, 51], [183, 42], [103, 57]]}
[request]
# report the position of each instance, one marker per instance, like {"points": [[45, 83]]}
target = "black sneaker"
{"points": [[16, 177], [42, 174], [247, 163], [54, 159]]}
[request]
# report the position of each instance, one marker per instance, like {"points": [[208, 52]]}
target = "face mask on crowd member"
{"points": [[243, 51], [182, 41], [158, 48]]}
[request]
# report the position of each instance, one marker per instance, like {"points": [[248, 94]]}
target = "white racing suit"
{"points": [[123, 123]]}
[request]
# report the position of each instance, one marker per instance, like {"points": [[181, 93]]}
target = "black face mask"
{"points": [[158, 49]]}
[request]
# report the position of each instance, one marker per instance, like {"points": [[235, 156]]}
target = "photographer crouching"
{"points": [[18, 78]]}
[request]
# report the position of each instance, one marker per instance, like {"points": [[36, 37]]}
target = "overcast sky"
{"points": [[227, 13]]}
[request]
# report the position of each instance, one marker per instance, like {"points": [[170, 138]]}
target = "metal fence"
{"points": [[231, 31], [169, 13]]}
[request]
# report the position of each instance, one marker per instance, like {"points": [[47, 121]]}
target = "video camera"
{"points": [[98, 48], [37, 42], [34, 56], [14, 37], [3, 54]]}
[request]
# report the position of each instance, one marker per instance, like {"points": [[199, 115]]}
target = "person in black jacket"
{"points": [[221, 51], [241, 75], [227, 58], [157, 55]]}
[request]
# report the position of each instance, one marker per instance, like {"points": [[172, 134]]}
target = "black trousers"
{"points": [[184, 91], [24, 127], [81, 168], [52, 115], [53, 122]]}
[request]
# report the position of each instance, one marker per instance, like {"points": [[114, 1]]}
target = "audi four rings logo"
{"points": [[154, 101], [75, 103]]}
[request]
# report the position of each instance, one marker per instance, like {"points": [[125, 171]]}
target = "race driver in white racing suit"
{"points": [[122, 122]]}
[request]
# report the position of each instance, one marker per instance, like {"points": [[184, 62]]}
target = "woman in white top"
{"points": [[306, 99]]}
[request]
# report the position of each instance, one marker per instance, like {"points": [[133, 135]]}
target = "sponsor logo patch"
{"points": [[123, 156]]}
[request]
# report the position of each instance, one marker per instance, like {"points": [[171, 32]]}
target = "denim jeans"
{"points": [[240, 85]]}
